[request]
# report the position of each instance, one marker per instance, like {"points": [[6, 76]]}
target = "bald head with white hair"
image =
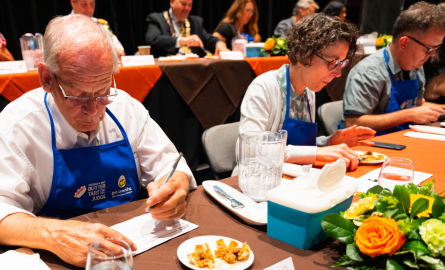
{"points": [[80, 60]]}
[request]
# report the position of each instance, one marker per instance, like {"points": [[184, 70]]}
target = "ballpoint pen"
{"points": [[169, 175]]}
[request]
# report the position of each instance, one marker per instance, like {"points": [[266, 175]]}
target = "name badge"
{"points": [[137, 60], [9, 67], [286, 264], [234, 55]]}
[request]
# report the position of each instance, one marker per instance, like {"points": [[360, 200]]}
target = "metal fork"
{"points": [[234, 203]]}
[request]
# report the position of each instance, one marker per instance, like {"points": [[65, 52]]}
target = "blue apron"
{"points": [[91, 178], [298, 132], [403, 96]]}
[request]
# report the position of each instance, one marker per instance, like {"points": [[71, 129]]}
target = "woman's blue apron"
{"points": [[91, 178], [403, 96], [298, 132]]}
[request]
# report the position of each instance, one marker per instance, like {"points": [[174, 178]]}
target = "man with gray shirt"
{"points": [[302, 9], [385, 90]]}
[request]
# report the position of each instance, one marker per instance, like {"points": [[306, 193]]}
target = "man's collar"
{"points": [[393, 66], [176, 20]]}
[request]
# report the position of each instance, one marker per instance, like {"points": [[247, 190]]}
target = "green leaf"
{"points": [[394, 264], [438, 206], [419, 206], [375, 190], [390, 213], [417, 247], [354, 253], [381, 206], [400, 216], [344, 260], [339, 228], [385, 192], [415, 235], [418, 222], [402, 194], [410, 263], [412, 189], [429, 259]]}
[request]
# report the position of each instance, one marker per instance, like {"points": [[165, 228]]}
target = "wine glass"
{"points": [[396, 171], [109, 254]]}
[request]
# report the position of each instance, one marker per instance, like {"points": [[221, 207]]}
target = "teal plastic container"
{"points": [[296, 228], [254, 49]]}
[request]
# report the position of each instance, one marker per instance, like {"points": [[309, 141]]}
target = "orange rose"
{"points": [[269, 44], [379, 41], [378, 236]]}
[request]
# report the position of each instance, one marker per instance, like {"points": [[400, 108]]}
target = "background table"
{"points": [[214, 219]]}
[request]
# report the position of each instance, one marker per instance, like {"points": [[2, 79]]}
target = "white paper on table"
{"points": [[294, 170], [22, 259], [146, 232], [421, 135], [286, 264], [364, 184]]}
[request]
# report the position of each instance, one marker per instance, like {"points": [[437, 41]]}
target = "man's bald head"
{"points": [[76, 41]]}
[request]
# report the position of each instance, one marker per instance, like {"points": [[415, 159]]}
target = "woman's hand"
{"points": [[353, 136], [332, 153]]}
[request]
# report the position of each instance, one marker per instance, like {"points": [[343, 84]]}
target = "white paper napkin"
{"points": [[364, 183], [23, 259], [427, 136]]}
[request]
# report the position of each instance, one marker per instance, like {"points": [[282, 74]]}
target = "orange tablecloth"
{"points": [[261, 65], [137, 81]]}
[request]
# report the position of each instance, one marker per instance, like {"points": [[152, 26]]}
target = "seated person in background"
{"points": [[240, 22], [5, 55], [335, 8], [87, 7], [75, 145], [175, 31], [385, 90], [435, 77], [302, 9], [285, 98]]}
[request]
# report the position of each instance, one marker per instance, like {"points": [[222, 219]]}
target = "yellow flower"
{"points": [[360, 207], [379, 41], [414, 197]]}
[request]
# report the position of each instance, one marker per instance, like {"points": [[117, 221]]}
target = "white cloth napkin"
{"points": [[428, 129], [427, 136], [22, 259], [366, 181]]}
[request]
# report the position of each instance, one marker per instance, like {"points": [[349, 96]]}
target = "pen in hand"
{"points": [[172, 170]]}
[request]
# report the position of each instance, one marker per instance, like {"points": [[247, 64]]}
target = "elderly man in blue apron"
{"points": [[77, 145], [385, 90]]}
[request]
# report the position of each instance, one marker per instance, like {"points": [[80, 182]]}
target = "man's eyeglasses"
{"points": [[429, 50], [73, 101], [334, 63]]}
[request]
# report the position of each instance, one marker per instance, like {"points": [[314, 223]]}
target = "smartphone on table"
{"points": [[389, 145]]}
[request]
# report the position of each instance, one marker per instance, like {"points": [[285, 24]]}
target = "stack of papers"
{"points": [[426, 132]]}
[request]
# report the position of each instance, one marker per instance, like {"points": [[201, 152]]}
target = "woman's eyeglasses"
{"points": [[334, 63], [73, 101], [429, 50]]}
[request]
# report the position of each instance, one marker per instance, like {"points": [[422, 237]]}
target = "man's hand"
{"points": [[220, 47], [168, 201], [191, 41], [120, 53], [70, 239], [425, 114], [332, 153], [352, 136]]}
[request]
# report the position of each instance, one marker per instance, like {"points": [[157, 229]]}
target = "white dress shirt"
{"points": [[26, 158]]}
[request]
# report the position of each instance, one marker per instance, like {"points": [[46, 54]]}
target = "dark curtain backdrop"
{"points": [[127, 17]]}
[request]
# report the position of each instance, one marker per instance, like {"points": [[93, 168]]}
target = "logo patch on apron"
{"points": [[80, 192], [122, 181]]}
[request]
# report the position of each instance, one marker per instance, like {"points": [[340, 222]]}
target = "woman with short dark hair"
{"points": [[335, 8], [240, 22], [319, 47]]}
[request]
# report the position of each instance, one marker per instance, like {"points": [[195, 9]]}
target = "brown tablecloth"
{"points": [[213, 219]]}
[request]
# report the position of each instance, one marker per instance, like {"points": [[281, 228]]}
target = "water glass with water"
{"points": [[396, 171], [260, 162], [109, 254]]}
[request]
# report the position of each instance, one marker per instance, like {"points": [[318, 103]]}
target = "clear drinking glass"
{"points": [[396, 171], [103, 255], [260, 162]]}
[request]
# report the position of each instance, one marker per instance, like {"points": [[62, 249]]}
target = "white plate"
{"points": [[442, 124], [188, 247], [373, 161], [253, 213], [428, 129]]}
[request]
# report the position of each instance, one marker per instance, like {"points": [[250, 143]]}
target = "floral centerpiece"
{"points": [[403, 229], [382, 41], [275, 46]]}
